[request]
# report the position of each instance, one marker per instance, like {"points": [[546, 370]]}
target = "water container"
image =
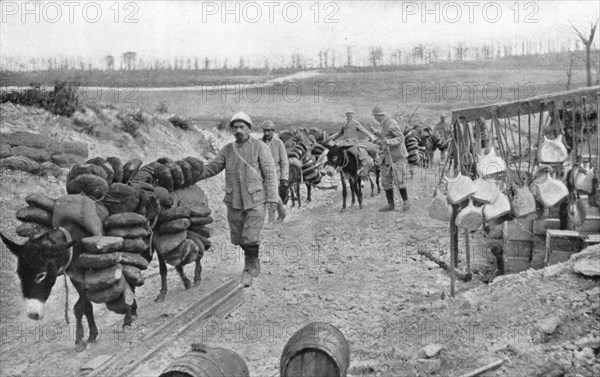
{"points": [[205, 361]]}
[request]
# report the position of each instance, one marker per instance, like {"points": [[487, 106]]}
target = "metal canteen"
{"points": [[486, 190], [500, 207], [552, 151], [550, 191], [523, 202], [576, 213], [490, 164], [584, 178], [440, 209], [459, 188], [470, 217]]}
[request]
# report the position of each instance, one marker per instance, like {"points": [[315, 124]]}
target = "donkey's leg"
{"points": [[344, 193], [198, 271], [298, 194], [79, 310], [359, 194], [372, 186], [292, 194], [352, 182], [187, 284], [377, 176], [308, 189], [163, 279], [89, 315]]}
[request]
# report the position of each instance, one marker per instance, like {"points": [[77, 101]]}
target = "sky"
{"points": [[258, 30]]}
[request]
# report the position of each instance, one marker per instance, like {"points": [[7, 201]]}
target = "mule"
{"points": [[42, 260], [342, 159], [187, 283]]}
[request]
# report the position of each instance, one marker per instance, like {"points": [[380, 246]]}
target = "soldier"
{"points": [[394, 154], [353, 133], [249, 183], [443, 132], [282, 166]]}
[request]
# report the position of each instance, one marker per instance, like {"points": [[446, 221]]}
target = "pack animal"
{"points": [[344, 160], [41, 261]]}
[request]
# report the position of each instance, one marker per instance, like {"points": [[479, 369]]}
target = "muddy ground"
{"points": [[357, 270]]}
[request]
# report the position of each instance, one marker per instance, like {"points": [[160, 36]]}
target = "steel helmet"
{"points": [[349, 111], [241, 116], [268, 125], [378, 110]]}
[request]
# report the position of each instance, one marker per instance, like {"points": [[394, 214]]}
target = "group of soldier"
{"points": [[254, 168]]}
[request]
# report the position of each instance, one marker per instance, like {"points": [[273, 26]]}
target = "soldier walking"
{"points": [[282, 167]]}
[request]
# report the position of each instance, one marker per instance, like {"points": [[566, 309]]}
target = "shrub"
{"points": [[63, 100], [179, 122], [162, 108]]}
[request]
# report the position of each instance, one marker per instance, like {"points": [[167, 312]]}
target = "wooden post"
{"points": [[468, 251], [453, 246]]}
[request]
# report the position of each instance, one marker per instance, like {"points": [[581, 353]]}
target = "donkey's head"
{"points": [[39, 262]]}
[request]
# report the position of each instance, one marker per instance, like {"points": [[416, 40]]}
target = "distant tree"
{"points": [[196, 63], [129, 59], [110, 62], [189, 64], [241, 64], [375, 55], [333, 58], [225, 64], [206, 63], [461, 51], [587, 42], [569, 70], [419, 53], [349, 56]]}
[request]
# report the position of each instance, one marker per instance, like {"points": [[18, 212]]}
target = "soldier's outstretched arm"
{"points": [[215, 166], [267, 166]]}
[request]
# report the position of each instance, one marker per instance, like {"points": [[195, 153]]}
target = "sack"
{"points": [[470, 217], [133, 275], [125, 219], [440, 209], [459, 188], [80, 210], [498, 208], [491, 164], [584, 178], [548, 190], [121, 198], [164, 243], [109, 293], [102, 244], [174, 226], [96, 280], [32, 230], [40, 201], [523, 202], [552, 151], [486, 191], [117, 167], [35, 215], [88, 184]]}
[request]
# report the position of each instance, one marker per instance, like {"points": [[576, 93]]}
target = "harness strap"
{"points": [[62, 270]]}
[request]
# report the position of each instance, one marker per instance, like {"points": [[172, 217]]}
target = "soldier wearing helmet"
{"points": [[250, 186], [393, 165], [443, 132], [282, 166]]}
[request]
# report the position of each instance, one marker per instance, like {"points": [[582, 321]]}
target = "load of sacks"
{"points": [[299, 158], [412, 140], [127, 208]]}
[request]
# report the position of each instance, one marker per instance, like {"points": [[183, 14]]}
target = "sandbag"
{"points": [[86, 168], [133, 275], [138, 185], [197, 167], [195, 199], [201, 220], [100, 279], [130, 169], [66, 159], [125, 219], [143, 176], [134, 245], [174, 226], [20, 163], [164, 197], [32, 230], [164, 160], [188, 173], [164, 243], [460, 188], [51, 169], [101, 261], [102, 244], [88, 184], [173, 213], [164, 178], [117, 167], [121, 198], [109, 293], [35, 215], [102, 211], [176, 174], [78, 209], [129, 232], [121, 304], [33, 153], [131, 259], [110, 173], [205, 241], [201, 230]]}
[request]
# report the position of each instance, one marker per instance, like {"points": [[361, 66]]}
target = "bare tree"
{"points": [[349, 56], [587, 42], [570, 70], [375, 54], [110, 62], [196, 63], [206, 63], [320, 59], [129, 58], [419, 52], [326, 58], [461, 51]]}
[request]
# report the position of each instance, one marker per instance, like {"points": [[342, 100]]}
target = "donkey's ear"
{"points": [[15, 248]]}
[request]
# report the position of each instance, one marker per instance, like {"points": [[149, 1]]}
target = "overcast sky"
{"points": [[186, 28]]}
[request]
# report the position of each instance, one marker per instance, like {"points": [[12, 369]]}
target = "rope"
{"points": [[63, 271]]}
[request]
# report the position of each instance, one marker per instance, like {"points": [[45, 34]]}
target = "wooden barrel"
{"points": [[318, 349], [205, 361]]}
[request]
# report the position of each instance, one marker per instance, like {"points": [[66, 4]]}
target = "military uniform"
{"points": [[353, 133], [250, 181], [394, 153], [282, 168]]}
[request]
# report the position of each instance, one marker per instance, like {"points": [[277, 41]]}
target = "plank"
{"points": [[538, 104], [126, 361]]}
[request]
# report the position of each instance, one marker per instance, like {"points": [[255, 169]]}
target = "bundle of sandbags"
{"points": [[298, 151], [310, 172], [412, 140], [36, 217], [171, 175]]}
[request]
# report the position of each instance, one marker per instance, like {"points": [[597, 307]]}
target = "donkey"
{"points": [[344, 160], [41, 260]]}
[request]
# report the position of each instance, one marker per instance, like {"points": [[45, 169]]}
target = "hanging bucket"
{"points": [[552, 151], [523, 202], [486, 191], [490, 165], [500, 207], [440, 208], [549, 191], [460, 188], [470, 217]]}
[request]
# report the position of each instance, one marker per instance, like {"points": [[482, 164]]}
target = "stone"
{"points": [[429, 366], [431, 350], [588, 266], [585, 354], [548, 325], [588, 342]]}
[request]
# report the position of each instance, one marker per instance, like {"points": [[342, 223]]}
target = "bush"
{"points": [[162, 108], [179, 122], [129, 124], [138, 116], [63, 100]]}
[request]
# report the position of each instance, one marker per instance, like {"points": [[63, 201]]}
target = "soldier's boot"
{"points": [[404, 196], [389, 194], [251, 264]]}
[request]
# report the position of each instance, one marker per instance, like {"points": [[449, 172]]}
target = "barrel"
{"points": [[317, 349], [204, 361]]}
